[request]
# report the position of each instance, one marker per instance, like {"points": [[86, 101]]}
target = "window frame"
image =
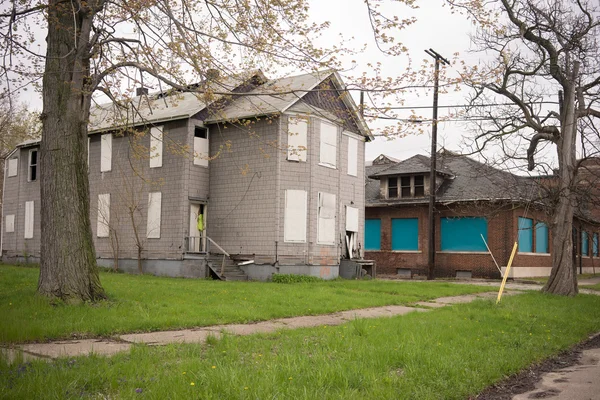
{"points": [[395, 186], [328, 141], [398, 243], [103, 216], [297, 139], [292, 208], [525, 227], [324, 220], [478, 247], [585, 243], [156, 146], [200, 144], [368, 237], [12, 165], [106, 152], [153, 225], [32, 169], [9, 222]]}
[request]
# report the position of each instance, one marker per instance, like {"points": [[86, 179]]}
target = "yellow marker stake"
{"points": [[510, 260]]}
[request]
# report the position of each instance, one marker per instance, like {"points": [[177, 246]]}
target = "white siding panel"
{"points": [[297, 139], [106, 153], [28, 220], [295, 216], [10, 223], [154, 210], [13, 165], [103, 215], [351, 219], [201, 151], [328, 144], [156, 147], [352, 156], [326, 218]]}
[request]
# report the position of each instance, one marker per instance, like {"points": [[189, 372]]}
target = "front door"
{"points": [[197, 228]]}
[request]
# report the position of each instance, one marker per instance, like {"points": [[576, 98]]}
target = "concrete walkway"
{"points": [[120, 343], [107, 347]]}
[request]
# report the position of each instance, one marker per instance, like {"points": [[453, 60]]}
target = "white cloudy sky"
{"points": [[436, 28]]}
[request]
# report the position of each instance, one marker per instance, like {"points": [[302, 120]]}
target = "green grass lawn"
{"points": [[149, 303], [449, 353]]}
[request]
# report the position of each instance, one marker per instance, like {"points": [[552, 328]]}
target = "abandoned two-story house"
{"points": [[478, 209], [265, 177]]}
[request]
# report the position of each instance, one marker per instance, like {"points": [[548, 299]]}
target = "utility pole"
{"points": [[431, 258]]}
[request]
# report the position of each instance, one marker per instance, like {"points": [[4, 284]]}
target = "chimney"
{"points": [[212, 74], [140, 91]]}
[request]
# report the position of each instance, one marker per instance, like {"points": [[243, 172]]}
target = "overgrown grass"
{"points": [[449, 353], [149, 303]]}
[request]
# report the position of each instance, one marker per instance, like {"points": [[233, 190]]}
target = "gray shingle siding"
{"points": [[17, 191], [130, 190]]}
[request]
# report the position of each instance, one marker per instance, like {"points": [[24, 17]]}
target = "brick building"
{"points": [[476, 206], [274, 180]]}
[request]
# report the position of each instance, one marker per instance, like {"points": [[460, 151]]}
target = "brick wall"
{"points": [[502, 233]]}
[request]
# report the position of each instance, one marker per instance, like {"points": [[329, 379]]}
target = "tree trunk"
{"points": [[68, 267], [562, 277]]}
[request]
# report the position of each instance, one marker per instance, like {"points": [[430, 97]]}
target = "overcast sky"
{"points": [[436, 28]]}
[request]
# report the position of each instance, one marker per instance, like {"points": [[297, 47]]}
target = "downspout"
{"points": [[278, 193], [3, 228]]}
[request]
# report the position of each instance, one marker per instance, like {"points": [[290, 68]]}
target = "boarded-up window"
{"points": [[297, 142], [10, 223], [405, 234], [326, 218], [33, 165], [12, 167], [294, 219], [463, 234], [352, 156], [103, 215], [106, 152], [28, 220], [541, 238], [201, 146], [373, 234], [351, 219], [525, 235], [154, 210], [156, 146], [328, 147]]}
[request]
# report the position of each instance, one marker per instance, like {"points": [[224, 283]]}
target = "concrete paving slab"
{"points": [[430, 304], [12, 355], [578, 382], [378, 312], [167, 337], [74, 348], [589, 281]]}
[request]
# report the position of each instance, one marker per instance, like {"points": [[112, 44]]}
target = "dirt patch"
{"points": [[526, 380]]}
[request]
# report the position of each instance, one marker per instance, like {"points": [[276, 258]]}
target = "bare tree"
{"points": [[544, 52]]}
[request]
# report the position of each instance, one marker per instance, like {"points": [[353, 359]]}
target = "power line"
{"points": [[461, 105]]}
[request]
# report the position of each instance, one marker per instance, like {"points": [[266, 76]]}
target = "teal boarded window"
{"points": [[541, 238], [595, 245], [405, 234], [373, 234], [463, 234], [525, 235], [585, 244]]}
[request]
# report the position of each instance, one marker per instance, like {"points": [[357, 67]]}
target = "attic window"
{"points": [[201, 132], [392, 187], [405, 186], [419, 186]]}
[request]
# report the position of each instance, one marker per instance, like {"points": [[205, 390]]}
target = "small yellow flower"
{"points": [[213, 367], [192, 384], [245, 387], [183, 372]]}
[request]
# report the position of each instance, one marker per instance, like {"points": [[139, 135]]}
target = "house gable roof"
{"points": [[164, 106], [277, 96], [465, 179]]}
